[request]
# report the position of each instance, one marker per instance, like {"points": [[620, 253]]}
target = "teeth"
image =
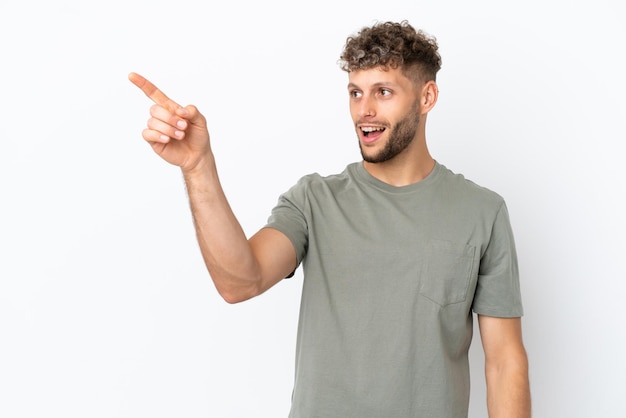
{"points": [[371, 129]]}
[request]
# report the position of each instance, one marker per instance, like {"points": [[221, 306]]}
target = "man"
{"points": [[397, 250]]}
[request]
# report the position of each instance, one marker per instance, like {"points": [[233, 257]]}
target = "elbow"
{"points": [[516, 360], [237, 294], [236, 288], [233, 298]]}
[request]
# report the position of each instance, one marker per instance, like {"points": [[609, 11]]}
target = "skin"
{"points": [[384, 98], [243, 268], [506, 367]]}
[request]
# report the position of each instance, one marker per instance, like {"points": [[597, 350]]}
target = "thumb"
{"points": [[191, 114]]}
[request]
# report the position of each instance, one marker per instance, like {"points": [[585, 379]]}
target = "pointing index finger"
{"points": [[153, 92]]}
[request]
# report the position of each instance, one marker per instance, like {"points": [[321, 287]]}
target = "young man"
{"points": [[397, 250]]}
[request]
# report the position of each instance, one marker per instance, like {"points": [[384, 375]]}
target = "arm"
{"points": [[506, 367], [240, 268]]}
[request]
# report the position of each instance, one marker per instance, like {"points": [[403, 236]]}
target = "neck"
{"points": [[412, 165], [403, 169]]}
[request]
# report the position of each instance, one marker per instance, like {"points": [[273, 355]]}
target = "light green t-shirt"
{"points": [[391, 277]]}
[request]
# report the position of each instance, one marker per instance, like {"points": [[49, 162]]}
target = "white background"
{"points": [[105, 306]]}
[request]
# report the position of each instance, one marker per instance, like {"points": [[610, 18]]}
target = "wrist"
{"points": [[201, 168], [201, 179]]}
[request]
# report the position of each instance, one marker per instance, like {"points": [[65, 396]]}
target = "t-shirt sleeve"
{"points": [[498, 288], [289, 217]]}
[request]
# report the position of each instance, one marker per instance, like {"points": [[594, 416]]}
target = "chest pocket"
{"points": [[446, 274]]}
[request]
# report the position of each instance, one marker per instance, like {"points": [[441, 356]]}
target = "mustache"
{"points": [[372, 122]]}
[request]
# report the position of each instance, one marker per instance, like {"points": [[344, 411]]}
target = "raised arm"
{"points": [[240, 268], [506, 367]]}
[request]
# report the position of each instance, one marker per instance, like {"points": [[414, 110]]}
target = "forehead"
{"points": [[378, 76]]}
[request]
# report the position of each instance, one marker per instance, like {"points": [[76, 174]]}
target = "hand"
{"points": [[177, 134]]}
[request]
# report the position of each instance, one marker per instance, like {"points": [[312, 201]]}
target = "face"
{"points": [[385, 110]]}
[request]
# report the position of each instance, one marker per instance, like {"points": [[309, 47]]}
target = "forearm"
{"points": [[181, 137], [508, 389], [223, 243]]}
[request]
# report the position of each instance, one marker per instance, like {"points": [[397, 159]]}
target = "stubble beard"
{"points": [[400, 137]]}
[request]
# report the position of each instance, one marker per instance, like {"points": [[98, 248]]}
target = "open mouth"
{"points": [[367, 130], [372, 132]]}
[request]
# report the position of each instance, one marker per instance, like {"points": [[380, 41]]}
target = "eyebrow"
{"points": [[375, 85]]}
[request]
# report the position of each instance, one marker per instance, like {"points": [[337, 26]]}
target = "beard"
{"points": [[400, 137]]}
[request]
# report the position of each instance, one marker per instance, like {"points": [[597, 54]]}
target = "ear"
{"points": [[428, 99]]}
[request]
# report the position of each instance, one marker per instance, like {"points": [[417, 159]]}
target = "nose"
{"points": [[366, 107]]}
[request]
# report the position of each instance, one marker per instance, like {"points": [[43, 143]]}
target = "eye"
{"points": [[355, 94], [385, 92]]}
